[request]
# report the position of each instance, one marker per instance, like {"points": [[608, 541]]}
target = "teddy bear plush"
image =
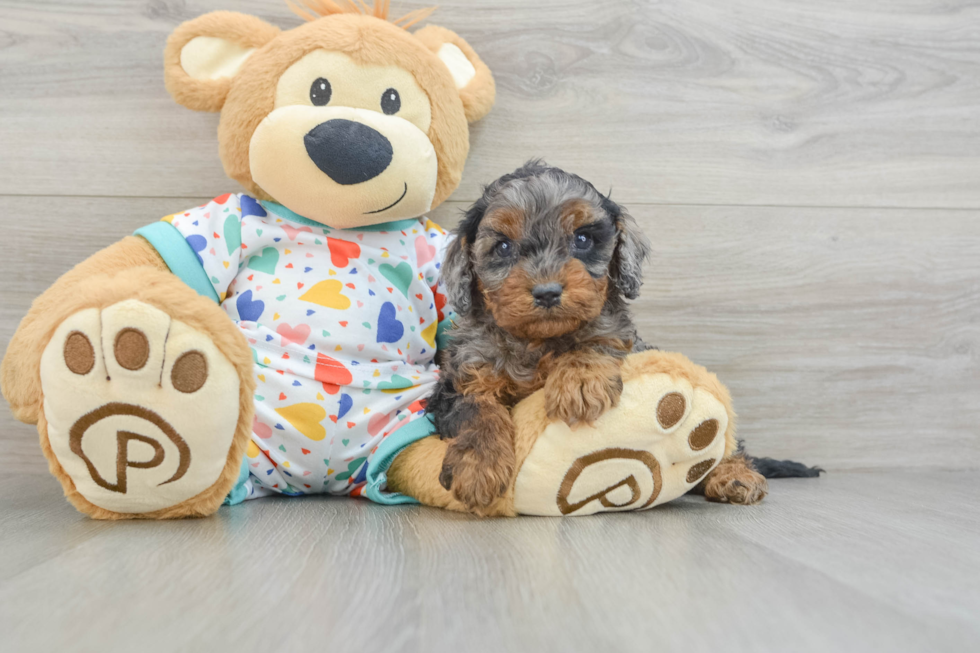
{"points": [[283, 340]]}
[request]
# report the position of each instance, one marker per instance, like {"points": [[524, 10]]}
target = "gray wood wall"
{"points": [[808, 172]]}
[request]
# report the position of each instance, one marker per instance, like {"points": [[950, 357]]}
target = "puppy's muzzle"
{"points": [[348, 152], [547, 295]]}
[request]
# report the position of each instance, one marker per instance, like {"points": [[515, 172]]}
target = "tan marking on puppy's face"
{"points": [[508, 222], [513, 306], [515, 255], [576, 214]]}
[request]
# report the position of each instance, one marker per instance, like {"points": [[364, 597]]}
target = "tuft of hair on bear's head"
{"points": [[310, 10]]}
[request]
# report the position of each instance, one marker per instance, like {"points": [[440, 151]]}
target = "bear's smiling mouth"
{"points": [[404, 193]]}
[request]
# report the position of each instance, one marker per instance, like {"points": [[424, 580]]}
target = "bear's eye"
{"points": [[320, 92], [391, 102]]}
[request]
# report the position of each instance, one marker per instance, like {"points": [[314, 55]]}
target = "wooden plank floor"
{"points": [[851, 562], [807, 172]]}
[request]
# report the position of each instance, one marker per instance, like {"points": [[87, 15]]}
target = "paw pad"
{"points": [[140, 409], [703, 435], [190, 372], [698, 470], [670, 410], [132, 349], [664, 437], [79, 354]]}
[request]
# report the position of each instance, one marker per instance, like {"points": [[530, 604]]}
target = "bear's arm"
{"points": [[20, 377]]}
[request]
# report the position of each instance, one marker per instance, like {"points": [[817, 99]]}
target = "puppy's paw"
{"points": [[477, 475], [576, 394], [738, 485]]}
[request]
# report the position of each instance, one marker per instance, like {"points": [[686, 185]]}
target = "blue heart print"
{"points": [[249, 310], [345, 405], [197, 243], [361, 475], [389, 328], [251, 207]]}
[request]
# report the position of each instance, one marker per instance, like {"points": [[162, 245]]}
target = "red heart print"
{"points": [[342, 251], [329, 370]]}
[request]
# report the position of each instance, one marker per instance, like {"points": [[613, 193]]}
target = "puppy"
{"points": [[538, 274]]}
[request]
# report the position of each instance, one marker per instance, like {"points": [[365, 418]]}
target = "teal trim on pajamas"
{"points": [[387, 451], [179, 257], [443, 331], [281, 211], [238, 493], [182, 261]]}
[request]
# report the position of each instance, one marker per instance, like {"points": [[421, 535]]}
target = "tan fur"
{"points": [[734, 481], [479, 94], [575, 214], [209, 95], [311, 10], [20, 373], [582, 386], [514, 310], [163, 290], [483, 381], [508, 221], [367, 40], [131, 269], [246, 99], [481, 457], [415, 471], [680, 366]]}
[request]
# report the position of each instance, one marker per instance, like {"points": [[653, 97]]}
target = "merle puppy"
{"points": [[538, 275]]}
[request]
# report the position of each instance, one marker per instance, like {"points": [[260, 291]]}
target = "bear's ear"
{"points": [[473, 79], [204, 54]]}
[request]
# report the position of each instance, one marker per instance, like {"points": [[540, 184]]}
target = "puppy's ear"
{"points": [[632, 249], [457, 270], [457, 266], [204, 54]]}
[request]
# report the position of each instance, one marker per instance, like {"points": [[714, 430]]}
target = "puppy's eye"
{"points": [[391, 102], [320, 92], [503, 249], [582, 242]]}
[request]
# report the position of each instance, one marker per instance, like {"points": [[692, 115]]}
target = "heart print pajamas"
{"points": [[342, 325]]}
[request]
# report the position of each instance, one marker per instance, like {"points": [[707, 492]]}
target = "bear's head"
{"points": [[348, 119]]}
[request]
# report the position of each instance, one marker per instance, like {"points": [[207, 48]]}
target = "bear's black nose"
{"points": [[348, 152]]}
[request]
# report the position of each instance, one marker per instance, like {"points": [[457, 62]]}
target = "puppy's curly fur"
{"points": [[539, 274]]}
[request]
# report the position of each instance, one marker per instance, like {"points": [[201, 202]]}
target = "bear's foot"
{"points": [[670, 430], [140, 413]]}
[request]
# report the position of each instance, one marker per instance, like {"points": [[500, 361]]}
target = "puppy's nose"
{"points": [[547, 295], [348, 152]]}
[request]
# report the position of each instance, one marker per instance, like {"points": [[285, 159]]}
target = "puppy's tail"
{"points": [[772, 468]]}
